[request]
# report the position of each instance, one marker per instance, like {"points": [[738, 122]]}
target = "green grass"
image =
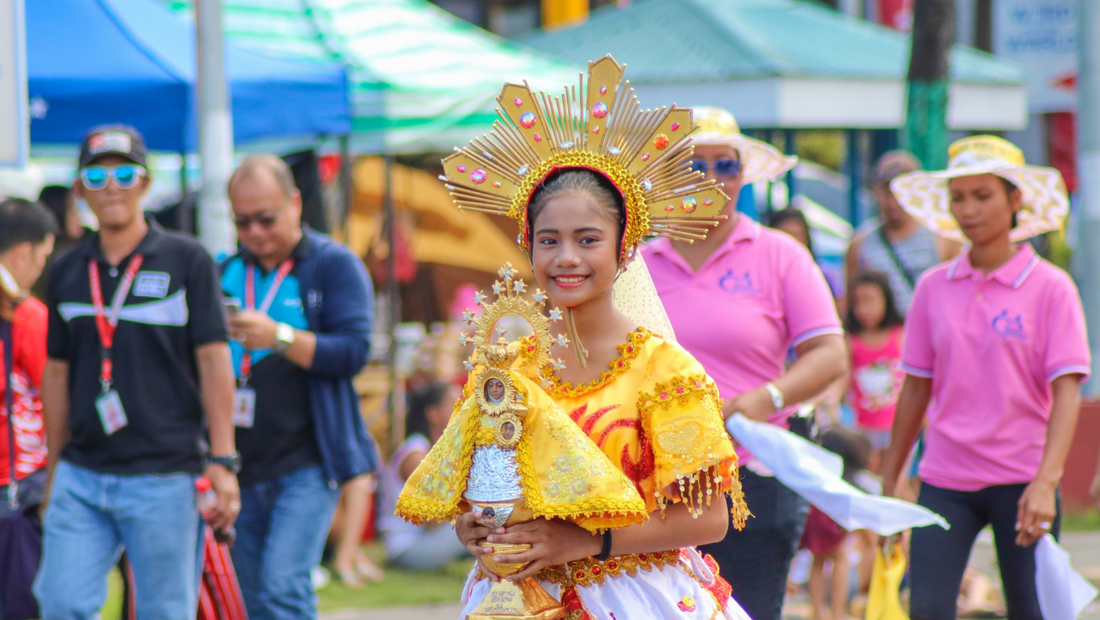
{"points": [[1081, 521], [400, 588]]}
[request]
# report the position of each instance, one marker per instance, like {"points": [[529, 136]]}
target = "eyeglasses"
{"points": [[265, 220], [722, 167], [126, 176]]}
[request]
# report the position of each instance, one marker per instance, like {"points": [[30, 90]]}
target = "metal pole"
{"points": [[1087, 254], [393, 297], [347, 184], [215, 128], [853, 177], [183, 214], [790, 148]]}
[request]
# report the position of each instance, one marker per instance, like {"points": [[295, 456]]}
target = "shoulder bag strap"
{"points": [[909, 278], [9, 404]]}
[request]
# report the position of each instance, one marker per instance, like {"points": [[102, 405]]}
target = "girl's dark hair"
{"points": [[853, 447], [791, 214], [421, 399], [598, 187], [892, 317]]}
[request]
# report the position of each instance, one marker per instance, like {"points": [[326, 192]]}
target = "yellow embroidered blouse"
{"points": [[657, 415]]}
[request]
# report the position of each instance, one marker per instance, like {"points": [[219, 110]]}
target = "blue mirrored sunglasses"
{"points": [[722, 167], [125, 176]]}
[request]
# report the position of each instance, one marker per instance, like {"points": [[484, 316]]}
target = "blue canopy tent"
{"points": [[91, 62]]}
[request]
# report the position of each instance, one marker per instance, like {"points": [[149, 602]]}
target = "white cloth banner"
{"points": [[814, 473], [1063, 593]]}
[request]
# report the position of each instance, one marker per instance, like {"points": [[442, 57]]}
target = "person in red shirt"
{"points": [[27, 232]]}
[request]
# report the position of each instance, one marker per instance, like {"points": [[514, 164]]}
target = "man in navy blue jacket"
{"points": [[300, 318]]}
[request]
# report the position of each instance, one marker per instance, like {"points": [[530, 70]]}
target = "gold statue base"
{"points": [[505, 600]]}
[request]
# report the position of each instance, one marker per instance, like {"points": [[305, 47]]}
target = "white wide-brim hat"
{"points": [[760, 161], [927, 197]]}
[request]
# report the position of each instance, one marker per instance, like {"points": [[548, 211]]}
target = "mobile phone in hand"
{"points": [[232, 306]]}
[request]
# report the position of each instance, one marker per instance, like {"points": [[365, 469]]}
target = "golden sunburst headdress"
{"points": [[597, 126]]}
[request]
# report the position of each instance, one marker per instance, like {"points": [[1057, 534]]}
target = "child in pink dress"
{"points": [[874, 327]]}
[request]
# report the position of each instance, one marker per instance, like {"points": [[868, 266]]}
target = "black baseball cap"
{"points": [[113, 140]]}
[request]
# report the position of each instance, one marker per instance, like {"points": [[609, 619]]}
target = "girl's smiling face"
{"points": [[575, 248]]}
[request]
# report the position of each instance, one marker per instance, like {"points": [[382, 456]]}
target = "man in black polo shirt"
{"points": [[137, 352]]}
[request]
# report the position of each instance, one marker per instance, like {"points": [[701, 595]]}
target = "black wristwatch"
{"points": [[231, 462]]}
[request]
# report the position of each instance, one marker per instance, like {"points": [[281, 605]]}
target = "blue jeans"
{"points": [[281, 533], [92, 516]]}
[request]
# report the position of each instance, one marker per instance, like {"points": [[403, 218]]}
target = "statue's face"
{"points": [[494, 390]]}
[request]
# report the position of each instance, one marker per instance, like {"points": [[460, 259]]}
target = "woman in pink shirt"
{"points": [[738, 300], [995, 351]]}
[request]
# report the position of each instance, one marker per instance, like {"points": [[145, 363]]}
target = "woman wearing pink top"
{"points": [[995, 351], [738, 300]]}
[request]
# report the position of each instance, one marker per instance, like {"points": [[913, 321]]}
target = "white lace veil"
{"points": [[635, 295]]}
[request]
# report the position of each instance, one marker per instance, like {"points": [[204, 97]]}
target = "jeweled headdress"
{"points": [[597, 126]]}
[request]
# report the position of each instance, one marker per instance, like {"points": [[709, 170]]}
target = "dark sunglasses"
{"points": [[722, 167], [265, 220], [126, 176]]}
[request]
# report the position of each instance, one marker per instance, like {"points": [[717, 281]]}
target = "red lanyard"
{"points": [[250, 304], [105, 324]]}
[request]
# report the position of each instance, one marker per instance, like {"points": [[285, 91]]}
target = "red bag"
{"points": [[219, 593]]}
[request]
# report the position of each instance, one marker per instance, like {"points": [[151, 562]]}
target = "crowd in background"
{"points": [[252, 361]]}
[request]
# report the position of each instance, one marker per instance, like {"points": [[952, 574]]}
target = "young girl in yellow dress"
{"points": [[587, 176]]}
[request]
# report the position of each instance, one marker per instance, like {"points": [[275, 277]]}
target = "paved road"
{"points": [[1084, 549]]}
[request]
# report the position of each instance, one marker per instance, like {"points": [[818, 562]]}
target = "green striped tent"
{"points": [[421, 80]]}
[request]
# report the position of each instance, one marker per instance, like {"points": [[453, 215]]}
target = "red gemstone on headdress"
{"points": [[645, 156], [669, 208], [478, 176], [538, 138], [599, 110], [707, 202], [675, 126], [518, 102], [461, 168], [596, 129], [660, 142], [603, 90], [612, 565], [688, 204], [527, 120], [496, 183], [596, 570]]}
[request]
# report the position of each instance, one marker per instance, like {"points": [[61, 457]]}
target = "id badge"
{"points": [[244, 407], [111, 413]]}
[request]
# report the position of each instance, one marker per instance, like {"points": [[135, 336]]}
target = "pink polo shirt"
{"points": [[754, 298], [992, 345]]}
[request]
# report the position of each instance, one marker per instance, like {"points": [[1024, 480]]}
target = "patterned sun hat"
{"points": [[926, 196], [761, 161]]}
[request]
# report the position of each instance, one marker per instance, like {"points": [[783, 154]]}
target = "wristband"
{"points": [[776, 396], [605, 550]]}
